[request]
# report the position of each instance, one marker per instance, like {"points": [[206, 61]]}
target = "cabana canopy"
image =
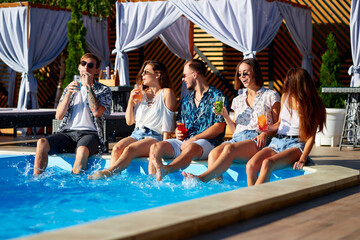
{"points": [[354, 70], [32, 36], [248, 26]]}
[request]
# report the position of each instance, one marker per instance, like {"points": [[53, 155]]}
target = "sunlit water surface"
{"points": [[56, 199]]}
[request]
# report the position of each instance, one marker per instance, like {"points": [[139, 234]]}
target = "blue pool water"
{"points": [[56, 199]]}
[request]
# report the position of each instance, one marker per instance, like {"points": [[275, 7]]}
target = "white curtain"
{"points": [[354, 70], [97, 38], [138, 23], [47, 38], [247, 25], [13, 40], [300, 30], [176, 38]]}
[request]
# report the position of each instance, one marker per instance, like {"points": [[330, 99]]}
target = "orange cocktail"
{"points": [[137, 93], [262, 123]]}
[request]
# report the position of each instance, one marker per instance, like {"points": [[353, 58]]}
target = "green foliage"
{"points": [[330, 74], [77, 44], [77, 32]]}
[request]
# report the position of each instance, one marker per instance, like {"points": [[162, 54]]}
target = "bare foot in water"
{"points": [[100, 174], [160, 168], [192, 176], [189, 175]]}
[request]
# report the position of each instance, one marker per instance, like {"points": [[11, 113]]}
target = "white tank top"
{"points": [[157, 117], [289, 124]]}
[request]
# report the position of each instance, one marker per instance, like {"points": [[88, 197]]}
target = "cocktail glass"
{"points": [[77, 78], [262, 122], [219, 104], [138, 93], [181, 127]]}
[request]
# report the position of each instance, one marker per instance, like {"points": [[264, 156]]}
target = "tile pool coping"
{"points": [[193, 217]]}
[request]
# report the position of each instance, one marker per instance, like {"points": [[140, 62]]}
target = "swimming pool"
{"points": [[57, 199]]}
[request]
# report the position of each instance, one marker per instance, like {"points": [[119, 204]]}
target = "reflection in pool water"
{"points": [[57, 199]]}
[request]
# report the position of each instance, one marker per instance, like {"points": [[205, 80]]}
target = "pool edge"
{"points": [[190, 218]]}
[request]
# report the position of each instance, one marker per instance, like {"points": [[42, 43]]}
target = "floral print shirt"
{"points": [[104, 96], [245, 116], [198, 119]]}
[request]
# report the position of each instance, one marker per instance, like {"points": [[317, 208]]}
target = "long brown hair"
{"points": [[255, 66], [299, 86], [159, 67]]}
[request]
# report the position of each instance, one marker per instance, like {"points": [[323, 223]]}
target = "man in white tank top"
{"points": [[81, 109]]}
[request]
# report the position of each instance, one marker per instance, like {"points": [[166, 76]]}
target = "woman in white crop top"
{"points": [[252, 101], [153, 115], [302, 113]]}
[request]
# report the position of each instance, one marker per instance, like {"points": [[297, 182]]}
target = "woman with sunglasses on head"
{"points": [[302, 113], [253, 100], [82, 107], [153, 115]]}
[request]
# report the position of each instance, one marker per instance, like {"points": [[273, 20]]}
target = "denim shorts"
{"points": [[144, 132], [244, 135], [203, 143], [281, 143]]}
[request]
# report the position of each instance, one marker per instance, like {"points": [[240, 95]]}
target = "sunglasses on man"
{"points": [[89, 65]]}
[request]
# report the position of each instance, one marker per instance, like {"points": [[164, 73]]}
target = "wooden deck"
{"points": [[334, 216]]}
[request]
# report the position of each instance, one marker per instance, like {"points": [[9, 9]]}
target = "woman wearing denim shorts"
{"points": [[253, 100], [152, 112], [302, 113]]}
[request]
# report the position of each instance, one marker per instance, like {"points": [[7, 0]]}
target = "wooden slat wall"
{"points": [[4, 82], [328, 16]]}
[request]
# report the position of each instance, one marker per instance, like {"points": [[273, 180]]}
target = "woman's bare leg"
{"points": [[119, 147], [277, 161], [136, 149], [239, 150], [254, 164]]}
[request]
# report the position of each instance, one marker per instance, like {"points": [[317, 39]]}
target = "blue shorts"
{"points": [[203, 143], [244, 135], [281, 143], [144, 132]]}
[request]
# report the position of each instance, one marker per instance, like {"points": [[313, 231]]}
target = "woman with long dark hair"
{"points": [[153, 115], [302, 113]]}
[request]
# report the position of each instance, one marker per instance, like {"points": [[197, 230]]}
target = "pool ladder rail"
{"points": [[351, 127]]}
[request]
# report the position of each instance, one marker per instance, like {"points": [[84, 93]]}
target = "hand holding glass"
{"points": [[219, 104], [137, 97], [77, 78], [181, 127]]}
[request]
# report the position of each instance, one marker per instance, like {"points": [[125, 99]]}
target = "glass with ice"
{"points": [[219, 104], [137, 93], [181, 127], [77, 78], [262, 122]]}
